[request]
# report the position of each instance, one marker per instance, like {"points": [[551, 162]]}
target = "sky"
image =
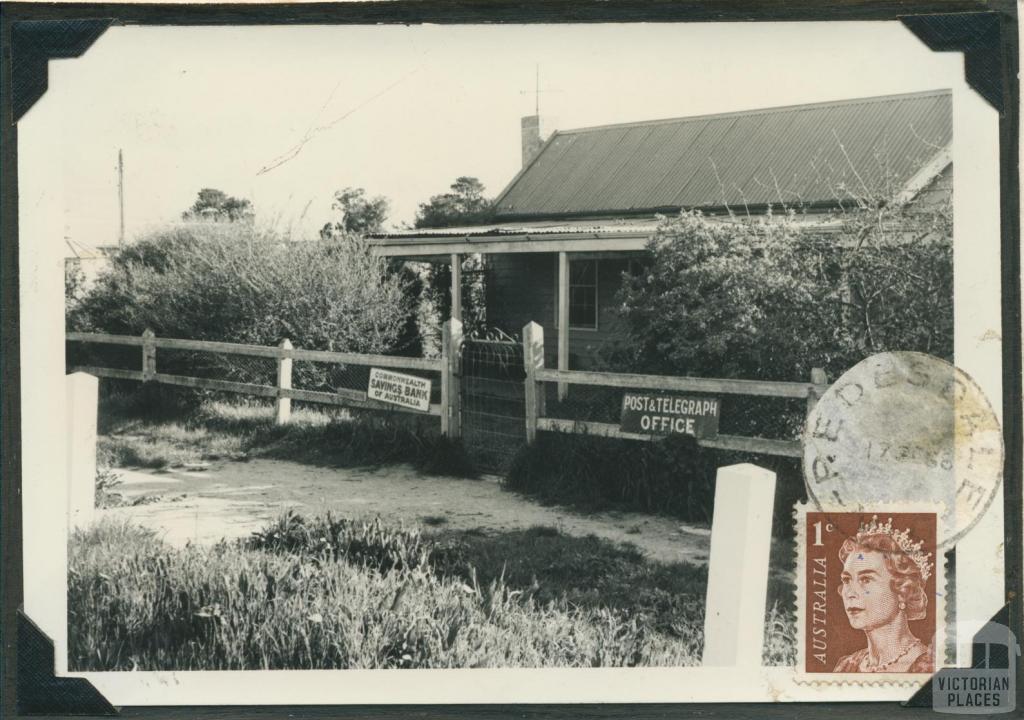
{"points": [[285, 116]]}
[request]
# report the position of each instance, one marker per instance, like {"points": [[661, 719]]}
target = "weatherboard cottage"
{"points": [[585, 204]]}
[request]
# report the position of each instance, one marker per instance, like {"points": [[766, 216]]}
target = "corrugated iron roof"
{"points": [[812, 154], [619, 227]]}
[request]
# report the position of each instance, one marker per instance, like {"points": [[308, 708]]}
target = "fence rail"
{"points": [[284, 354], [450, 408], [762, 388], [537, 418], [265, 351]]}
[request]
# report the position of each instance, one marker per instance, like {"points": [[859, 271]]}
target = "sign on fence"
{"points": [[660, 414], [395, 388]]}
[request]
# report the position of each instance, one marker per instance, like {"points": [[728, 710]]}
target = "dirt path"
{"points": [[232, 499]]}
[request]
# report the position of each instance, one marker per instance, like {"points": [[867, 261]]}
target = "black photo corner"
{"points": [[33, 34]]}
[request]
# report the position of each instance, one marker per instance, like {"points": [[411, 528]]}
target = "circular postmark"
{"points": [[905, 427]]}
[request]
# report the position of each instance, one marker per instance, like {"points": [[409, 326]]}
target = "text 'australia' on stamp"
{"points": [[905, 427], [870, 595]]}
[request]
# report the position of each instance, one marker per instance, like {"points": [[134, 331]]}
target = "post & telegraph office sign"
{"points": [[660, 414]]}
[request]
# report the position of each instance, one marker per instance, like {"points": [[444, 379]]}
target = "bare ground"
{"points": [[232, 499]]}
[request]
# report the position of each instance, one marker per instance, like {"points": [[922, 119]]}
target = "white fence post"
{"points": [[451, 344], [148, 355], [456, 312], [741, 538], [82, 391], [818, 377], [533, 359], [283, 413]]}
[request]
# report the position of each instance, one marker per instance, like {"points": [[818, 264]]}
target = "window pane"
{"points": [[581, 316], [583, 294], [582, 272]]}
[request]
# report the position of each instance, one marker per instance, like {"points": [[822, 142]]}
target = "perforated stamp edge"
{"points": [[909, 680]]}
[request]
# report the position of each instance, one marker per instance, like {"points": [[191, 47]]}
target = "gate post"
{"points": [[283, 406], [741, 539], [533, 360], [82, 398], [451, 345], [818, 377], [456, 312], [148, 355]]}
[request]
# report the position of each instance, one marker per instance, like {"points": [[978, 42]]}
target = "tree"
{"points": [[360, 214], [74, 282], [896, 268], [213, 204], [464, 205]]}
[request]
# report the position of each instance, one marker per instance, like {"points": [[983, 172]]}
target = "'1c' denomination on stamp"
{"points": [[905, 427], [870, 595]]}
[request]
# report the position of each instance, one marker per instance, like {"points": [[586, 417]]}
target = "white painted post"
{"points": [[446, 379], [533, 360], [818, 377], [451, 344], [741, 538], [82, 392], [456, 287], [563, 320], [283, 411], [148, 355]]}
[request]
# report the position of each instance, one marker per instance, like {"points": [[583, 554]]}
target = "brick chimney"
{"points": [[532, 141]]}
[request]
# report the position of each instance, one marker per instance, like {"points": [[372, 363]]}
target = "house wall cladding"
{"points": [[522, 287], [939, 191]]}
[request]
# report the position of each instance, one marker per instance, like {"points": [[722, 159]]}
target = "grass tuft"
{"points": [[324, 593], [176, 431], [146, 606]]}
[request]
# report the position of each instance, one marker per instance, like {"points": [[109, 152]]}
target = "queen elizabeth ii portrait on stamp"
{"points": [[883, 579], [871, 593]]}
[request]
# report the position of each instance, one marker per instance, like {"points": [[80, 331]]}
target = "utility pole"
{"points": [[120, 195]]}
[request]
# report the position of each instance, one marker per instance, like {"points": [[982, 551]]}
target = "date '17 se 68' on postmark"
{"points": [[901, 427], [869, 594]]}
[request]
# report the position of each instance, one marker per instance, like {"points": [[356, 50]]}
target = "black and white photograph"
{"points": [[397, 350]]}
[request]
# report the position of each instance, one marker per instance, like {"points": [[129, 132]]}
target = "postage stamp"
{"points": [[900, 427], [870, 594]]}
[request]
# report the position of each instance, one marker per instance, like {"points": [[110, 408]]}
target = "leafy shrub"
{"points": [[236, 283], [122, 401], [673, 476], [364, 440], [771, 298]]}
